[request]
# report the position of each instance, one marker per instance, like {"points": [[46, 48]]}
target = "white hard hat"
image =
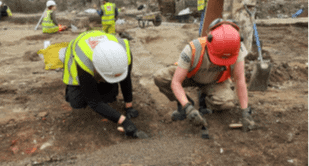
{"points": [[50, 3], [0, 3], [62, 54], [110, 61]]}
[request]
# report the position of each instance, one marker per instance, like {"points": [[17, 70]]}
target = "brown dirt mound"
{"points": [[38, 37], [282, 72], [24, 20], [31, 56], [149, 39]]}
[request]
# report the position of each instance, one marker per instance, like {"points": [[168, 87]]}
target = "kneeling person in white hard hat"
{"points": [[49, 23], [94, 63], [4, 10]]}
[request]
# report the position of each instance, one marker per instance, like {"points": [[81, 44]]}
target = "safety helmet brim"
{"points": [[113, 78]]}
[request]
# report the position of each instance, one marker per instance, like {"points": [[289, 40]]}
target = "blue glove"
{"points": [[300, 11]]}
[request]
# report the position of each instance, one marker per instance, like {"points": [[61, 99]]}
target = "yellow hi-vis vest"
{"points": [[8, 10], [108, 13], [48, 24], [201, 4], [79, 51]]}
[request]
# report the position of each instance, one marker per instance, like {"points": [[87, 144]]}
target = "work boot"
{"points": [[194, 115], [247, 120], [202, 104]]}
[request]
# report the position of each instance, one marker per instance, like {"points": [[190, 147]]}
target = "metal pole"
{"points": [[36, 27]]}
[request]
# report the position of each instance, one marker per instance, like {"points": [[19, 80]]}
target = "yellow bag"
{"points": [[51, 55]]}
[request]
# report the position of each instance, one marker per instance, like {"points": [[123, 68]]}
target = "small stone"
{"points": [[291, 161], [221, 150], [45, 145], [34, 141], [42, 114], [290, 137]]}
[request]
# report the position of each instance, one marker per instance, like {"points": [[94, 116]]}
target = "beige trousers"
{"points": [[218, 96]]}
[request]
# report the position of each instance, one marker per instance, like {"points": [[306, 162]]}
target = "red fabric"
{"points": [[203, 42], [224, 48], [225, 74], [61, 28]]}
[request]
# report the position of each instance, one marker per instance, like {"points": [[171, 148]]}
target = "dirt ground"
{"points": [[37, 126]]}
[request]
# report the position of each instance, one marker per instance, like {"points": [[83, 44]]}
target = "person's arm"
{"points": [[93, 98], [238, 75], [180, 75], [126, 86], [116, 12], [53, 18], [100, 12]]}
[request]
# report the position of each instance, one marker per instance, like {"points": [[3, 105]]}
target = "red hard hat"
{"points": [[223, 45]]}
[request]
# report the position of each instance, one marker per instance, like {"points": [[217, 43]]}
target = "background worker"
{"points": [[109, 14], [4, 10], [201, 7], [208, 63], [94, 64], [235, 10], [49, 23]]}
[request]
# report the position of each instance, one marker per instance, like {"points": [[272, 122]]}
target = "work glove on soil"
{"points": [[247, 120], [131, 130], [194, 115], [131, 113], [179, 114]]}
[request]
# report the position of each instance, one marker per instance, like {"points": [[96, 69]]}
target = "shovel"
{"points": [[261, 70]]}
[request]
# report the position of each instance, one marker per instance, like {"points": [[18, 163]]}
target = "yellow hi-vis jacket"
{"points": [[8, 10], [108, 13], [201, 4], [48, 24], [80, 51]]}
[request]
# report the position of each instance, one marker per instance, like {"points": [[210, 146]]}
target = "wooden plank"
{"points": [[282, 21], [213, 10]]}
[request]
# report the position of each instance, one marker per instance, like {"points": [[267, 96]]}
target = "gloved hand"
{"points": [[193, 115], [247, 120], [131, 130], [131, 113]]}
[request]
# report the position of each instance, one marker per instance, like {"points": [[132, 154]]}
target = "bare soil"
{"points": [[33, 111]]}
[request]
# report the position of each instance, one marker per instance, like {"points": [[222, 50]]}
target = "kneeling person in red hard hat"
{"points": [[49, 23], [94, 63], [208, 63]]}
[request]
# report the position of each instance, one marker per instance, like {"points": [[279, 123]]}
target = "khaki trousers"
{"points": [[219, 96]]}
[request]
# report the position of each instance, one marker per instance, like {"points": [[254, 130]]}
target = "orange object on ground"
{"points": [[61, 27], [104, 120]]}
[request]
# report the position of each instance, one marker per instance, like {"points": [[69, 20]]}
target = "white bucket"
{"points": [[46, 44]]}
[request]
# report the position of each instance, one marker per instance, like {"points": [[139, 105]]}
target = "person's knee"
{"points": [[78, 104], [158, 79], [220, 107]]}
